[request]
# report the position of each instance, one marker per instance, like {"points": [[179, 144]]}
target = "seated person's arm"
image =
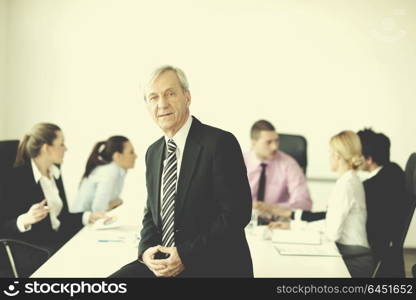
{"points": [[16, 217], [299, 197], [36, 213], [274, 210], [313, 216], [114, 203]]}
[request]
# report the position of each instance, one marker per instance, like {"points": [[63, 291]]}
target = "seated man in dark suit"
{"points": [[385, 192], [199, 199]]}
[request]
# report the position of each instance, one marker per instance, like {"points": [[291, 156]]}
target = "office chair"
{"points": [[8, 150], [295, 146], [19, 251], [15, 251], [358, 260]]}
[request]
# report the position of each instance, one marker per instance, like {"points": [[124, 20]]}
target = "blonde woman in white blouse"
{"points": [[345, 220], [346, 216]]}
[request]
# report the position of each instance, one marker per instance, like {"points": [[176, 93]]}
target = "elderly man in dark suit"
{"points": [[199, 198]]}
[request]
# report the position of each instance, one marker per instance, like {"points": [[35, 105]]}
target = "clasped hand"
{"points": [[168, 267]]}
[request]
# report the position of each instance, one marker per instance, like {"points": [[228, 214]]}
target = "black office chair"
{"points": [[23, 258], [358, 260], [8, 150], [295, 146], [14, 252]]}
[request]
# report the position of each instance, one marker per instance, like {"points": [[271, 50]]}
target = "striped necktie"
{"points": [[169, 180]]}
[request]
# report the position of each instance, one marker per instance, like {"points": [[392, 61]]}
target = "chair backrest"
{"points": [[410, 175], [295, 146], [8, 150]]}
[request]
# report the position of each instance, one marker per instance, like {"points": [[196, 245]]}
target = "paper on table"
{"points": [[113, 222], [294, 236], [328, 249]]}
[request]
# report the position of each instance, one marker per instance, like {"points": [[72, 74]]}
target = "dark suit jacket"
{"points": [[20, 193], [212, 206], [386, 210]]}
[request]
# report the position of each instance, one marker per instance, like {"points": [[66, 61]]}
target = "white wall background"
{"points": [[310, 67]]}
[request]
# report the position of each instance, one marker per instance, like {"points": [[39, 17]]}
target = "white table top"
{"points": [[85, 256], [267, 262]]}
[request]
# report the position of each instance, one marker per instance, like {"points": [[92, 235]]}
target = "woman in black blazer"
{"points": [[35, 209]]}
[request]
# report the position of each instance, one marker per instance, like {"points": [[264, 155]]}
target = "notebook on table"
{"points": [[282, 236], [308, 250]]}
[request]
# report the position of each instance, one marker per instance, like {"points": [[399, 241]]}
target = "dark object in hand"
{"points": [[161, 255]]}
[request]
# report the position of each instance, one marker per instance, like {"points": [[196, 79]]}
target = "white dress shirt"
{"points": [[180, 140], [103, 185], [374, 172]]}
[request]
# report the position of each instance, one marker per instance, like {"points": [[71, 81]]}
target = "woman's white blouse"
{"points": [[103, 185], [346, 215]]}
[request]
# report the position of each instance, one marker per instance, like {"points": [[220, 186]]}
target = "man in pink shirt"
{"points": [[275, 177]]}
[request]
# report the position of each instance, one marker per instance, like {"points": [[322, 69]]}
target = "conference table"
{"points": [[99, 253]]}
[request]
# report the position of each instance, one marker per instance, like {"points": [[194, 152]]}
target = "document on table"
{"points": [[282, 236], [328, 249], [111, 222]]}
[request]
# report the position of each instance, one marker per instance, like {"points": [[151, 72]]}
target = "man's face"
{"points": [[167, 103], [367, 164], [267, 144]]}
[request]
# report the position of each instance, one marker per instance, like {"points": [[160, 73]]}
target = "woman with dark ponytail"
{"points": [[104, 175], [37, 209]]}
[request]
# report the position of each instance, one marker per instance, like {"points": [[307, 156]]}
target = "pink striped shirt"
{"points": [[285, 181]]}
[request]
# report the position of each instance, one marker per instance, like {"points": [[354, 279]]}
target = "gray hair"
{"points": [[162, 69]]}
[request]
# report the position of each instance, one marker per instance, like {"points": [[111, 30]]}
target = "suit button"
{"points": [[177, 230]]}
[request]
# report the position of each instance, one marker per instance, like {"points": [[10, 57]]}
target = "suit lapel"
{"points": [[189, 163], [34, 192]]}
